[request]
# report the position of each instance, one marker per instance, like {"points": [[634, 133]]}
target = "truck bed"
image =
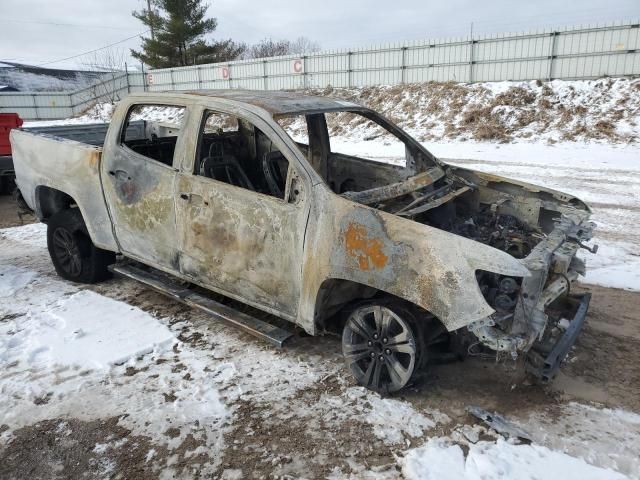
{"points": [[44, 165], [92, 133]]}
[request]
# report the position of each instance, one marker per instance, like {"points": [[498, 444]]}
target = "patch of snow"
{"points": [[437, 460], [595, 111], [13, 279], [232, 474], [440, 459], [150, 454], [85, 330], [101, 448], [32, 79], [33, 235], [617, 264], [602, 436], [99, 113], [394, 420]]}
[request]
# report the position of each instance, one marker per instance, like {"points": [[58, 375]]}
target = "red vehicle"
{"points": [[8, 121]]}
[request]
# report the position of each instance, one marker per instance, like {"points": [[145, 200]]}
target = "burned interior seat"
{"points": [[224, 167]]}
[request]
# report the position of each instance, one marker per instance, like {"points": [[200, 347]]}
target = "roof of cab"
{"points": [[278, 102]]}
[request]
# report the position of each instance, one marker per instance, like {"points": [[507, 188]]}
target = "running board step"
{"points": [[253, 326]]}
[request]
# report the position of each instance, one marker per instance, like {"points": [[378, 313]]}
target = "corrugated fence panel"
{"points": [[331, 68], [280, 74], [255, 75], [184, 78], [565, 53], [37, 105]]}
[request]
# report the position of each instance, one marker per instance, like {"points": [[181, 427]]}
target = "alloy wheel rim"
{"points": [[379, 348], [67, 251]]}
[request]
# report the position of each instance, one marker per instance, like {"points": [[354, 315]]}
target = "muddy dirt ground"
{"points": [[9, 213], [272, 441]]}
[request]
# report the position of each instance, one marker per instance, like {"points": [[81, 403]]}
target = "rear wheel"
{"points": [[381, 345], [73, 254]]}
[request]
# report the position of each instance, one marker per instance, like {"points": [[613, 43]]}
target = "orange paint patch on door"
{"points": [[367, 251]]}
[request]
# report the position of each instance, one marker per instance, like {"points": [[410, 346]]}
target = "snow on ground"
{"points": [[99, 113], [439, 459], [68, 352], [601, 436], [606, 110], [13, 279], [85, 330]]}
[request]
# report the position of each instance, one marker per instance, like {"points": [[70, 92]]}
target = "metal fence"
{"points": [[57, 105], [581, 52]]}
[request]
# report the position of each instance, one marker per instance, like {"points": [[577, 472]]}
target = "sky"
{"points": [[47, 32]]}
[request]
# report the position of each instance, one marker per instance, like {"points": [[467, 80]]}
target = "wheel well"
{"points": [[50, 201], [336, 295]]}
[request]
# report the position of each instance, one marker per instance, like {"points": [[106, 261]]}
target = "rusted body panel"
{"points": [[428, 267], [276, 254]]}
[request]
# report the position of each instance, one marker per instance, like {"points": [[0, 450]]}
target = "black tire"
{"points": [[74, 256], [383, 345]]}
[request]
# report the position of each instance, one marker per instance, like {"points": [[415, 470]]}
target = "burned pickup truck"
{"points": [[248, 198]]}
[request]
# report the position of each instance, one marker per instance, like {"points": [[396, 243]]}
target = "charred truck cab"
{"points": [[246, 197]]}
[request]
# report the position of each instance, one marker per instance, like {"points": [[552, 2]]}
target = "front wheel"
{"points": [[73, 254], [381, 345]]}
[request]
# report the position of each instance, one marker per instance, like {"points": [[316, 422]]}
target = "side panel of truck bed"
{"points": [[70, 167], [91, 133]]}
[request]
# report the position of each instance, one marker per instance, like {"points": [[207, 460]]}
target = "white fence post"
{"points": [[471, 59], [403, 67], [305, 82], [552, 54], [264, 75]]}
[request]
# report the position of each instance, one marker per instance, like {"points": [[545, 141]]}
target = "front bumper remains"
{"points": [[544, 360], [547, 317]]}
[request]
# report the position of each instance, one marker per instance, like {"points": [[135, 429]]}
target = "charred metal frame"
{"points": [[279, 255]]}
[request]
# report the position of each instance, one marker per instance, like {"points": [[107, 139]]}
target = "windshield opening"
{"points": [[356, 150]]}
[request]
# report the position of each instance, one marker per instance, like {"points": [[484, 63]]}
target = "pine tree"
{"points": [[178, 28]]}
